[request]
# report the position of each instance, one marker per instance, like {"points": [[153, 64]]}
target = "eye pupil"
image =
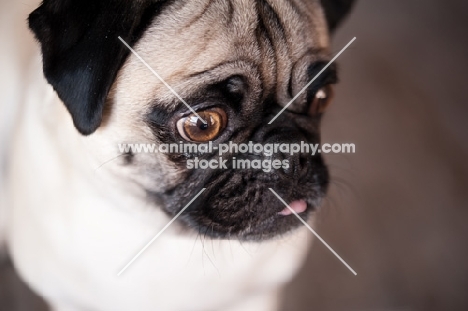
{"points": [[203, 126]]}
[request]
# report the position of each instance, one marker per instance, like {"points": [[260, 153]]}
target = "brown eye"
{"points": [[191, 128], [321, 100]]}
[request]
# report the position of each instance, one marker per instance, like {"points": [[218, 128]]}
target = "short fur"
{"points": [[93, 207]]}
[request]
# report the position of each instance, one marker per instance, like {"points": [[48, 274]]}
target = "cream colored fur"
{"points": [[73, 223]]}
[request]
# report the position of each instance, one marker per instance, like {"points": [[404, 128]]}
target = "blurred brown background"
{"points": [[398, 208]]}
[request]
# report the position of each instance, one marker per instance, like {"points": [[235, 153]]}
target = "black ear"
{"points": [[336, 11], [81, 50]]}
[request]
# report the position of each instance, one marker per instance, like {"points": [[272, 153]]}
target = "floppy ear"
{"points": [[81, 50], [336, 11]]}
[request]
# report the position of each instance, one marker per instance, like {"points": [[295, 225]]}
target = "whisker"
{"points": [[108, 161], [193, 248], [207, 255]]}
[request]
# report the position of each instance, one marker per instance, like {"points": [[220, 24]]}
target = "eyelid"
{"points": [[329, 76], [197, 109]]}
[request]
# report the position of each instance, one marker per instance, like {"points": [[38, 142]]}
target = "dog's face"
{"points": [[236, 63]]}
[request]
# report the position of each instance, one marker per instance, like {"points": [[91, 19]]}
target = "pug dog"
{"points": [[78, 209]]}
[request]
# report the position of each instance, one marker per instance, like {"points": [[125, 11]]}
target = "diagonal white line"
{"points": [[312, 81], [159, 77], [160, 232], [315, 233]]}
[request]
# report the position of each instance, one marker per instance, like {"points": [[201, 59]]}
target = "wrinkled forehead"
{"points": [[256, 37]]}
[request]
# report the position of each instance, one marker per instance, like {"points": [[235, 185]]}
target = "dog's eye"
{"points": [[321, 100], [191, 128]]}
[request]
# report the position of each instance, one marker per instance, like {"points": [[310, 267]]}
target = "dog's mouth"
{"points": [[249, 223], [245, 206]]}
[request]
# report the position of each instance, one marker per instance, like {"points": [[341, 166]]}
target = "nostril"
{"points": [[297, 165], [303, 162], [304, 166]]}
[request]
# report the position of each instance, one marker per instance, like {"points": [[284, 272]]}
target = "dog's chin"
{"points": [[253, 226], [240, 204]]}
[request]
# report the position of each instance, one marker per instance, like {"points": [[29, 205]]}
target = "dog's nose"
{"points": [[298, 162]]}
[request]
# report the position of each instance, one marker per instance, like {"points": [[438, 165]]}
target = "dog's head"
{"points": [[236, 63]]}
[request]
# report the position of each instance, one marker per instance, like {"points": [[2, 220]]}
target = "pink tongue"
{"points": [[299, 206]]}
